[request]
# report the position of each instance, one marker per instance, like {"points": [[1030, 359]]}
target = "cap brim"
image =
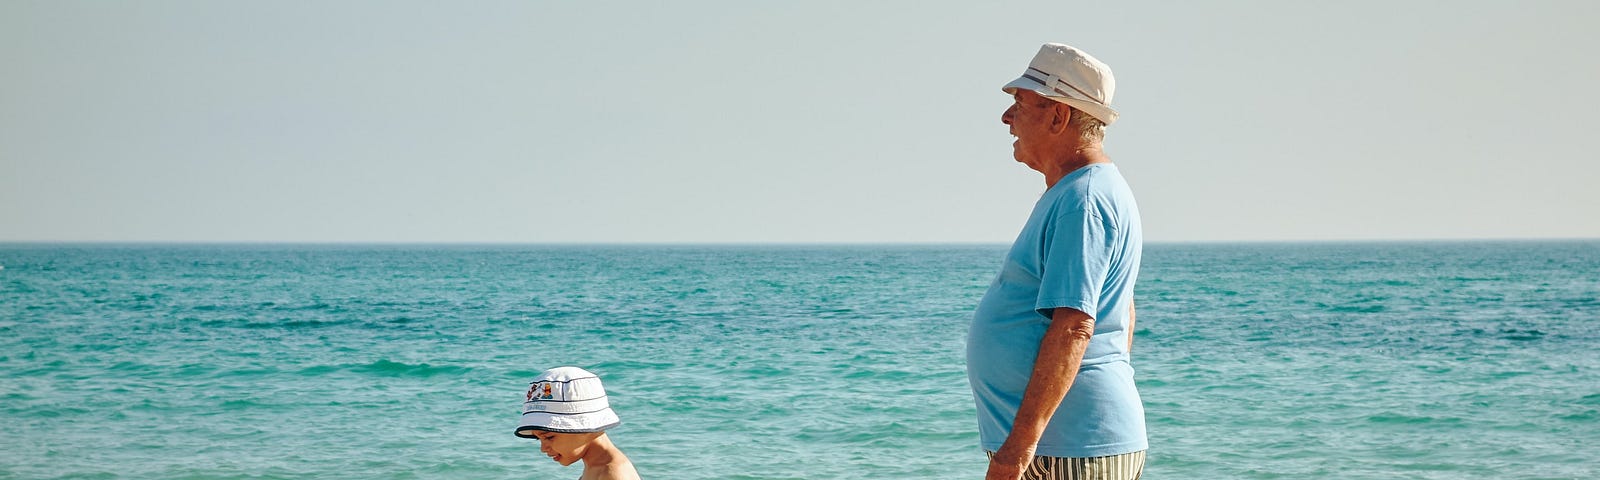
{"points": [[567, 423], [1105, 114]]}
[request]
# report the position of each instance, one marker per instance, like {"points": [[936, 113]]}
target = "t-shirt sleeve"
{"points": [[1075, 260]]}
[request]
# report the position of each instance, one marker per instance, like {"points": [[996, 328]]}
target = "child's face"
{"points": [[564, 448]]}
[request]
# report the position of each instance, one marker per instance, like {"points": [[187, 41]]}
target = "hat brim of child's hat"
{"points": [[599, 421]]}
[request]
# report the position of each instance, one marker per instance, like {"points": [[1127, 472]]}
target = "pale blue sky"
{"points": [[798, 122]]}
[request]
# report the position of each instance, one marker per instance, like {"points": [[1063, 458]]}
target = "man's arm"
{"points": [[1060, 354], [1131, 318]]}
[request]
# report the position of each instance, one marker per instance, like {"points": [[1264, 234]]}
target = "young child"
{"points": [[566, 410]]}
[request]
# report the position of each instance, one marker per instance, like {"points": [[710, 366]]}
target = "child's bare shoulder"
{"points": [[611, 471]]}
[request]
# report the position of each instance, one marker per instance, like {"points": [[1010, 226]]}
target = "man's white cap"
{"points": [[566, 400], [1068, 75]]}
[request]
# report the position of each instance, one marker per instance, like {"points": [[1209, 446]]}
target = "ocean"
{"points": [[1303, 361]]}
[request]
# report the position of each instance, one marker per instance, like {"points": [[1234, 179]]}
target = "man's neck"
{"points": [[1074, 159]]}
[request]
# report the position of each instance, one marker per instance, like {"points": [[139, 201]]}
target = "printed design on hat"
{"points": [[540, 391], [574, 396]]}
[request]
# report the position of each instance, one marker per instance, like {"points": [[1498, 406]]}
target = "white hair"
{"points": [[1090, 129]]}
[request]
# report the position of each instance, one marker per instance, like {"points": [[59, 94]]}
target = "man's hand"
{"points": [[1009, 462]]}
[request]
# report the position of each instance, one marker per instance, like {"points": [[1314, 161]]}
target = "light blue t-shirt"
{"points": [[1080, 249]]}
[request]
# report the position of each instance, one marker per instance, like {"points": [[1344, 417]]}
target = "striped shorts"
{"points": [[1128, 466]]}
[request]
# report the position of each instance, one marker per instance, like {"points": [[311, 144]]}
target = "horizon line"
{"points": [[744, 243]]}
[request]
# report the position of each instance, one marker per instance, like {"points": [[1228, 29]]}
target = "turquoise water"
{"points": [[1451, 360]]}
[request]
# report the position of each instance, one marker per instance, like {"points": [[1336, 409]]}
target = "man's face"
{"points": [[564, 448], [1029, 117]]}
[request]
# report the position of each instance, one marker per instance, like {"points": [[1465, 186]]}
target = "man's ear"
{"points": [[1060, 118]]}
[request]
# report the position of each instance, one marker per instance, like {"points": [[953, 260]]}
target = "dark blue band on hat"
{"points": [[1086, 96]]}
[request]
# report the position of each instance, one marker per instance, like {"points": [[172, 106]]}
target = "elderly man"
{"points": [[1047, 353]]}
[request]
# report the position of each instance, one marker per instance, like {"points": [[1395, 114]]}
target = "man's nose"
{"points": [[1006, 116]]}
